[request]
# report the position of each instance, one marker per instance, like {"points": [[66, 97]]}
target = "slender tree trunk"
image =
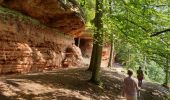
{"points": [[129, 58], [145, 65], [96, 68], [92, 60], [110, 63], [98, 44], [166, 72]]}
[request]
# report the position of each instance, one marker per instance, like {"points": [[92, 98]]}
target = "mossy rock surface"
{"points": [[7, 14]]}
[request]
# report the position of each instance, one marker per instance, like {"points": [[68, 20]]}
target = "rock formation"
{"points": [[64, 15], [85, 42], [36, 36]]}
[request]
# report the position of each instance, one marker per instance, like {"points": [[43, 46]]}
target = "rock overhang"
{"points": [[63, 15]]}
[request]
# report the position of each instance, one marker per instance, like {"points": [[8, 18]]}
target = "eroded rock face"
{"points": [[25, 47], [73, 56], [64, 15], [86, 46], [28, 45]]}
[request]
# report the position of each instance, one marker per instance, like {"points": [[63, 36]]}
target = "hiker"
{"points": [[140, 76], [130, 87]]}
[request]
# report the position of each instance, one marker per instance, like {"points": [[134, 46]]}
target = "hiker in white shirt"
{"points": [[130, 87]]}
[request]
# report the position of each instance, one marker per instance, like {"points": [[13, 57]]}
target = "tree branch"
{"points": [[160, 32]]}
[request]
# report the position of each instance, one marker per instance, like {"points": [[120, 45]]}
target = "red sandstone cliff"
{"points": [[36, 37], [64, 15]]}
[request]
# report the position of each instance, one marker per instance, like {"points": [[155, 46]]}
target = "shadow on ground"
{"points": [[67, 84]]}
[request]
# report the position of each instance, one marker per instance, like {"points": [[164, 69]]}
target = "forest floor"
{"points": [[72, 84]]}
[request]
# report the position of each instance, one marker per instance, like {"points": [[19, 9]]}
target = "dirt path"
{"points": [[70, 84]]}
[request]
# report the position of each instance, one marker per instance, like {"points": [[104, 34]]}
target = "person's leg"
{"points": [[139, 83], [135, 97], [131, 97], [138, 95], [128, 97]]}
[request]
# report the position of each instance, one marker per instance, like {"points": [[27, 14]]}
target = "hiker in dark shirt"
{"points": [[140, 76]]}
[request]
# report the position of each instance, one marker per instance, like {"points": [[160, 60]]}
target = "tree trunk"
{"points": [[96, 68], [98, 44], [145, 64], [92, 57], [129, 59], [166, 72], [110, 63]]}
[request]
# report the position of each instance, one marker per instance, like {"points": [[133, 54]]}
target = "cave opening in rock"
{"points": [[85, 46]]}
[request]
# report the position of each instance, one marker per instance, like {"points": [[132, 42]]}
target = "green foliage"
{"points": [[89, 9], [130, 23], [155, 72]]}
